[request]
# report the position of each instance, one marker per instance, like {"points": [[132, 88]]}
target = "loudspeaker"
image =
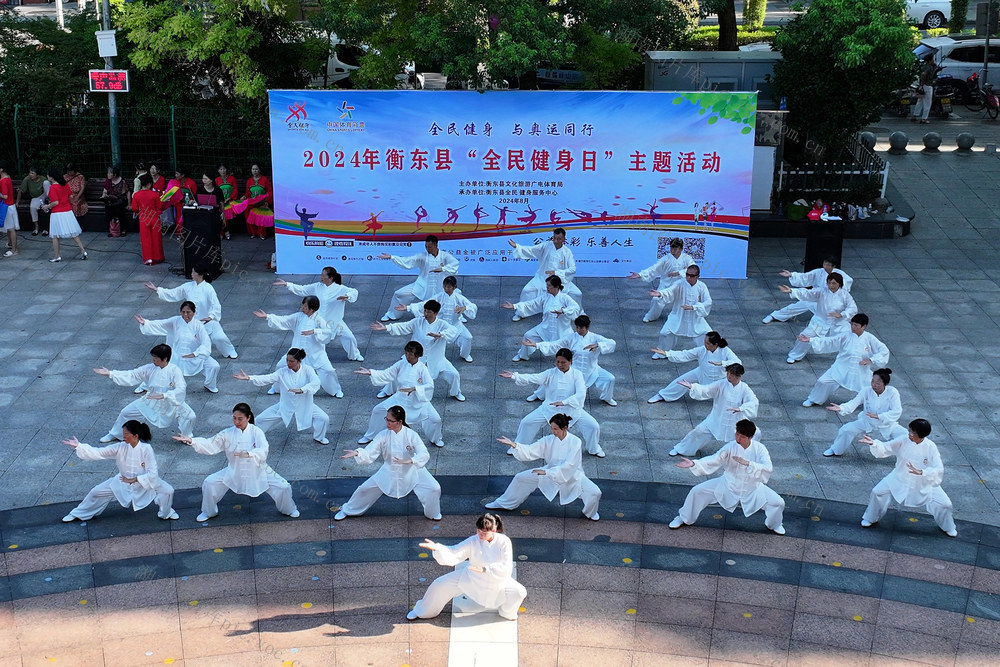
{"points": [[823, 239], [202, 244]]}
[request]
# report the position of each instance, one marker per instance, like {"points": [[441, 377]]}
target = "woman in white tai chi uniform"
{"points": [[562, 473], [858, 352], [456, 309], [404, 456], [815, 279], [587, 347], [488, 580], [137, 483], [880, 414], [834, 307], [916, 479], [731, 398], [713, 356], [431, 261], [299, 383], [690, 305], [669, 269], [166, 391], [245, 447], [201, 292], [554, 259], [190, 342], [333, 297], [558, 311]]}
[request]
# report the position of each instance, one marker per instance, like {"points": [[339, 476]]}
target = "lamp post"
{"points": [[108, 49]]}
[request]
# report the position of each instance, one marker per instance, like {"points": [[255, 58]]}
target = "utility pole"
{"points": [[116, 147]]}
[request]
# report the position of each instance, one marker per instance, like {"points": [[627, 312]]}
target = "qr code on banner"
{"points": [[693, 246]]}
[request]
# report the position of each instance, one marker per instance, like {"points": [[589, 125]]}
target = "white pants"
{"points": [[922, 109], [671, 341], [696, 439], [656, 306], [794, 309], [182, 413], [211, 373], [536, 288], [938, 506], [823, 389], [850, 433], [674, 391], [101, 495], [347, 341], [464, 340], [272, 416], [533, 334], [446, 587], [703, 495], [213, 489], [426, 420], [36, 203], [799, 349], [526, 481], [221, 340], [587, 426], [404, 296], [449, 374], [427, 491]]}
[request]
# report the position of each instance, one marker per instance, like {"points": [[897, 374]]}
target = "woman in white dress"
{"points": [[488, 580], [880, 414], [63, 223], [713, 356], [201, 292], [245, 447], [190, 342]]}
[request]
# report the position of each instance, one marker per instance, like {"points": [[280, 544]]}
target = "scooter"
{"points": [[941, 105]]}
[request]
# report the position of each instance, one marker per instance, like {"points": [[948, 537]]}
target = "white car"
{"points": [[961, 57], [928, 13]]}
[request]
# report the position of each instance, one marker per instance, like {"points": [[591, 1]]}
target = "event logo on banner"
{"points": [[360, 173]]}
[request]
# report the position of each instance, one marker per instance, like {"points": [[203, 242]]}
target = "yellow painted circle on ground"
{"points": [[619, 514], [521, 610], [13, 546], [525, 512], [168, 661], [914, 519], [716, 516], [83, 602], [237, 507], [307, 605], [858, 617], [193, 603], [798, 476], [970, 619], [522, 557], [321, 552], [814, 518], [422, 555], [626, 560], [218, 551], [836, 563], [630, 611], [51, 659]]}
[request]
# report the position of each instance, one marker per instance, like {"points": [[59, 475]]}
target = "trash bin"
{"points": [[823, 239]]}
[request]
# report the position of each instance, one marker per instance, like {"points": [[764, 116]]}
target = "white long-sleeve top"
{"points": [[246, 475], [331, 308], [396, 479], [908, 489], [202, 295], [711, 365], [816, 279], [569, 388], [721, 421], [167, 381], [313, 344], [449, 302], [664, 266], [426, 263], [496, 557], [742, 484], [847, 369], [138, 462], [553, 326], [550, 258], [403, 374], [825, 302], [418, 329], [584, 360], [687, 322], [886, 405], [183, 338], [563, 465], [291, 405]]}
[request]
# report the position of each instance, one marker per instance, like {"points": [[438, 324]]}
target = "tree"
{"points": [[959, 12], [753, 14], [841, 62], [726, 11]]}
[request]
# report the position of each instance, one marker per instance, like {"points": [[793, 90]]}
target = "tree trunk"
{"points": [[727, 27]]}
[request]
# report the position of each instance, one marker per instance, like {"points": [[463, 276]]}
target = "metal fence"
{"points": [[858, 166]]}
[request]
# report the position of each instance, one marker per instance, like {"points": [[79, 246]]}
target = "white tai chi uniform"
{"points": [[331, 309], [683, 325], [743, 485], [434, 348], [711, 368], [421, 288], [495, 588], [552, 326], [666, 265], [816, 279], [822, 324], [250, 476], [586, 361], [886, 427], [187, 338], [314, 345], [396, 480], [138, 462], [720, 424], [560, 261], [569, 388], [563, 475], [206, 303], [419, 411], [907, 489], [847, 370], [298, 408], [449, 302], [161, 413]]}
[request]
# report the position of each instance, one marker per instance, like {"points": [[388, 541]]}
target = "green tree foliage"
{"points": [[841, 62], [753, 13], [959, 13]]}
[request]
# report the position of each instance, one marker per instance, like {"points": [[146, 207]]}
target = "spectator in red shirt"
{"points": [[63, 223], [146, 204]]}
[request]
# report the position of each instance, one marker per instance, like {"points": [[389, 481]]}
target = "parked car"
{"points": [[959, 58], [928, 13]]}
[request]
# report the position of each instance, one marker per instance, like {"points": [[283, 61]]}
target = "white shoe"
{"points": [[439, 443], [789, 360], [951, 533], [108, 438], [830, 452], [201, 518], [865, 523], [600, 453], [515, 319], [532, 398], [68, 518], [385, 318], [517, 358], [214, 390], [322, 441], [510, 452], [654, 399], [339, 394], [596, 517], [363, 440], [780, 530], [340, 516], [294, 514], [646, 319], [676, 523], [233, 356], [767, 319], [467, 358], [358, 358], [411, 615], [436, 517], [381, 395], [141, 389], [272, 391], [610, 401], [460, 398], [490, 506], [55, 260], [657, 356], [173, 515], [673, 452], [83, 256], [807, 403]]}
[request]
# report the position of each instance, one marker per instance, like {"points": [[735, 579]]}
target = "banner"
{"points": [[359, 173]]}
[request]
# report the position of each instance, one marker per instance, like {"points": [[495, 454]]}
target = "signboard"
{"points": [[108, 81], [359, 173]]}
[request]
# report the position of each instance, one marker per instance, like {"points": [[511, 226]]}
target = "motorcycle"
{"points": [[944, 94]]}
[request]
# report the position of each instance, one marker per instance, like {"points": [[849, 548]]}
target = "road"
{"points": [[780, 12]]}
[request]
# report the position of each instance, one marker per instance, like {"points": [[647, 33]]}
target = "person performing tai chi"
{"points": [[333, 296], [815, 279], [858, 352], [880, 414], [669, 269], [731, 398], [916, 479], [247, 472], [414, 388], [432, 261], [200, 292], [587, 347], [562, 473], [565, 391], [554, 259], [834, 307], [713, 356], [404, 457], [164, 401], [456, 309], [558, 311], [137, 483], [488, 580], [299, 383], [189, 341], [691, 304], [746, 467]]}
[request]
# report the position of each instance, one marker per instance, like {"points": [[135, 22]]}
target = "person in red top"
{"points": [[9, 215], [159, 182], [147, 206], [77, 184], [63, 223], [187, 188], [260, 215], [226, 183]]}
